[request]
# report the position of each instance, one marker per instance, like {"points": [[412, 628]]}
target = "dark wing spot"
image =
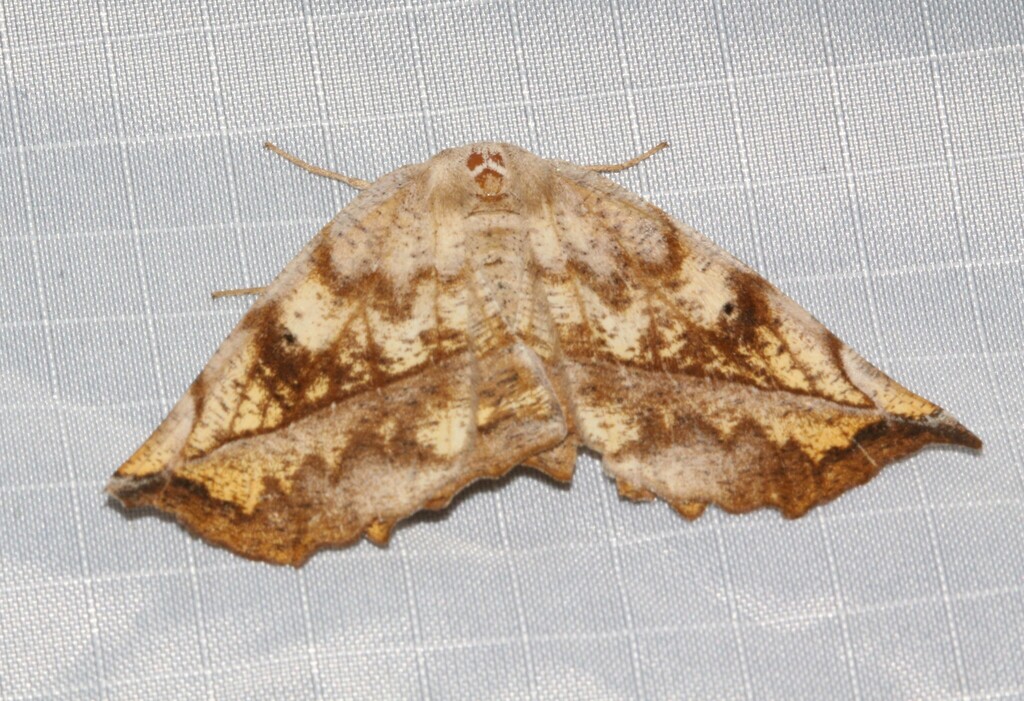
{"points": [[289, 337], [728, 308]]}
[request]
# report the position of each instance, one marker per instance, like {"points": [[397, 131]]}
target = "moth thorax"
{"points": [[500, 257]]}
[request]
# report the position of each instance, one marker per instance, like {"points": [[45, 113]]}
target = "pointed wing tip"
{"points": [[134, 491], [946, 426], [967, 439], [114, 489]]}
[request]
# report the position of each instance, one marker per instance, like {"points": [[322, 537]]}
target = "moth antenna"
{"points": [[357, 183], [616, 167], [238, 292]]}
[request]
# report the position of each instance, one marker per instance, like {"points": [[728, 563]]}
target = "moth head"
{"points": [[486, 169], [485, 177]]}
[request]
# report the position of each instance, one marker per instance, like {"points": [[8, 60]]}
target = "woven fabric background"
{"points": [[867, 157]]}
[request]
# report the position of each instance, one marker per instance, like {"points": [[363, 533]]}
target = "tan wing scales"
{"points": [[364, 386], [701, 383]]}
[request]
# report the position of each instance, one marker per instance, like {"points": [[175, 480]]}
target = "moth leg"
{"points": [[616, 167], [357, 183], [237, 292]]}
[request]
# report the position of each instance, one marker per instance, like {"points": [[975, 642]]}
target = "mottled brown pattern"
{"points": [[488, 309], [350, 477]]}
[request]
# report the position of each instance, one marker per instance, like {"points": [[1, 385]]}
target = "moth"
{"points": [[489, 308]]}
